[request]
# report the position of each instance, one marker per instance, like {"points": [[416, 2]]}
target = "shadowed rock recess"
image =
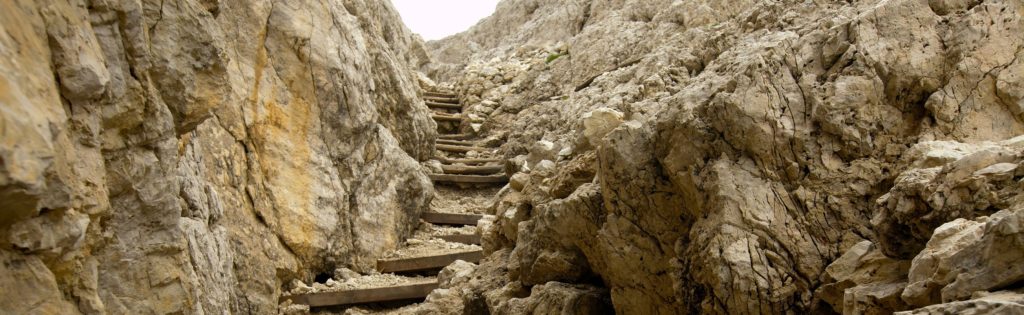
{"points": [[662, 156]]}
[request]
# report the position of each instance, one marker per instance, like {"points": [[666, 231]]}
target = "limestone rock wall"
{"points": [[194, 156], [742, 157]]}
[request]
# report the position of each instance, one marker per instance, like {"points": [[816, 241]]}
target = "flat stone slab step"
{"points": [[472, 239], [457, 136], [469, 179], [438, 117], [455, 142], [443, 105], [406, 291], [427, 262], [450, 218], [475, 161], [472, 170], [458, 148]]}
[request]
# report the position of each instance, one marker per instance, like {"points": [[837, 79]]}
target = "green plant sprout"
{"points": [[553, 56]]}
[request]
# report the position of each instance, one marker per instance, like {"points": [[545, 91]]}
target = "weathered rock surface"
{"points": [[1002, 302], [948, 180], [770, 157], [192, 157], [560, 298], [863, 280], [966, 256]]}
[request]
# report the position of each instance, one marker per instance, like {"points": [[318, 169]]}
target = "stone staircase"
{"points": [[427, 251]]}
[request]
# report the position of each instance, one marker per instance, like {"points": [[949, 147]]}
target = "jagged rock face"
{"points": [[761, 141], [949, 180], [192, 156]]}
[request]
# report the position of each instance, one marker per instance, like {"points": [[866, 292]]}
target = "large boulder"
{"points": [[966, 256]]}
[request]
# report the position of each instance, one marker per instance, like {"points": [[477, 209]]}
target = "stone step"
{"points": [[450, 218], [427, 262], [407, 291], [471, 239], [443, 105], [458, 148], [455, 142], [476, 161], [440, 117], [472, 170], [455, 136]]}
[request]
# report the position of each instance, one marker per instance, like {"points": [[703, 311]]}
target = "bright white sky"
{"points": [[436, 19]]}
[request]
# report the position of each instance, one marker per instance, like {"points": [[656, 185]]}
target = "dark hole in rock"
{"points": [[321, 277]]}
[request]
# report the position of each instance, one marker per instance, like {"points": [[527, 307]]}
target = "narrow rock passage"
{"points": [[467, 176], [662, 157]]}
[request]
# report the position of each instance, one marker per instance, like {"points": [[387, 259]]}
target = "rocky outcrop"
{"points": [[194, 156], [1002, 302], [770, 157], [948, 180], [968, 256], [863, 280]]}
